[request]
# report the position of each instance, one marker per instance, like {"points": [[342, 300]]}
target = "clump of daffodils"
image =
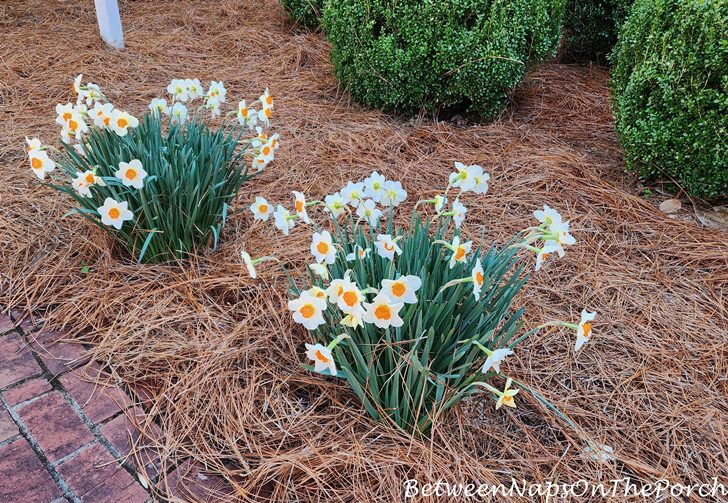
{"points": [[414, 318], [161, 183]]}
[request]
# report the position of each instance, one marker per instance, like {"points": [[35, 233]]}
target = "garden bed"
{"points": [[218, 351]]}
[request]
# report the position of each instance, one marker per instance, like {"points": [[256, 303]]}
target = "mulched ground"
{"points": [[217, 351]]}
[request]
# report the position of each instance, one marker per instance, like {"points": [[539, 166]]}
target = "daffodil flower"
{"points": [[247, 116], [122, 121], [350, 299], [178, 114], [505, 397], [158, 107], [480, 179], [387, 247], [260, 138], [542, 253], [300, 205], [322, 247], [335, 205], [392, 194], [114, 213], [459, 251], [33, 145], [368, 211], [267, 151], [464, 177], [322, 358], [457, 212], [261, 209], [71, 120], [213, 106], [40, 163], [131, 173], [402, 289], [352, 321], [382, 312], [337, 286], [353, 194], [584, 329], [284, 220], [308, 310], [264, 115], [477, 278], [250, 262], [194, 88], [101, 114], [76, 86], [84, 181], [320, 270], [266, 100], [358, 253], [374, 186], [317, 292], [216, 93], [548, 216], [178, 89]]}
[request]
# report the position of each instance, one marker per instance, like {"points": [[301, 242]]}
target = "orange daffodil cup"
{"points": [[420, 307]]}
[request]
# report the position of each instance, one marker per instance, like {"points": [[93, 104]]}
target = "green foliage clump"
{"points": [[670, 92], [592, 26], [439, 55], [193, 174], [304, 12]]}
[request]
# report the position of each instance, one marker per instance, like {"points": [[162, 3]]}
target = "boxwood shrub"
{"points": [[305, 12], [456, 55], [670, 92], [591, 28]]}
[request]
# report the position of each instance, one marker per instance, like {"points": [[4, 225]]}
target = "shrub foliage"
{"points": [[670, 92], [305, 12], [592, 26], [436, 55]]}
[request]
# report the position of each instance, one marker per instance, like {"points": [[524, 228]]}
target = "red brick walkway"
{"points": [[66, 438]]}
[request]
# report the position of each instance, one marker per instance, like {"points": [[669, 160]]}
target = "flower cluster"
{"points": [[108, 179], [387, 284]]}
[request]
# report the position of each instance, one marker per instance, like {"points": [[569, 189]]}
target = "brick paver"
{"points": [[124, 436], [8, 428], [69, 433], [6, 324], [16, 360], [55, 426], [57, 353], [94, 475], [26, 391], [23, 477], [89, 387]]}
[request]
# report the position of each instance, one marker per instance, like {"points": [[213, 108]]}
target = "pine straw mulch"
{"points": [[218, 350]]}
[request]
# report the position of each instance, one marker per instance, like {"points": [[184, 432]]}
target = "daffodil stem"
{"points": [[558, 324], [336, 341], [263, 259]]}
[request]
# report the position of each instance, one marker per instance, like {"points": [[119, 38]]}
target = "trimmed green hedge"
{"points": [[305, 12], [670, 92], [439, 55], [591, 27]]}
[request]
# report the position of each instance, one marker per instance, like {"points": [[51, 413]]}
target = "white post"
{"points": [[107, 12]]}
